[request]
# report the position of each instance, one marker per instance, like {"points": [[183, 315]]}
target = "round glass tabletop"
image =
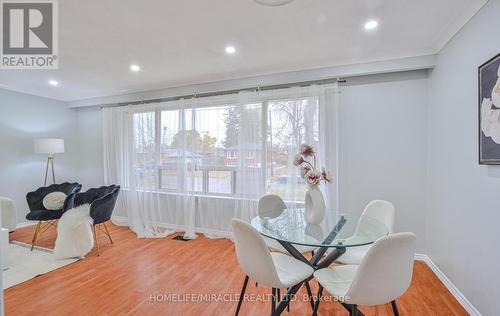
{"points": [[339, 230]]}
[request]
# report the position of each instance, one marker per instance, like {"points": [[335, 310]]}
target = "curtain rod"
{"points": [[226, 92]]}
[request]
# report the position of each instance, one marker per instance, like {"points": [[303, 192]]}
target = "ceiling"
{"points": [[182, 42]]}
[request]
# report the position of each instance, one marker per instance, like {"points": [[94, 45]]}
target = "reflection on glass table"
{"points": [[343, 229]]}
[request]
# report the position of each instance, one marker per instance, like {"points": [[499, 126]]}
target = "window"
{"points": [[205, 149], [144, 149], [290, 124], [220, 181], [169, 153]]}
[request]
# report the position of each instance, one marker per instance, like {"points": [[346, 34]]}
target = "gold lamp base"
{"points": [[50, 161]]}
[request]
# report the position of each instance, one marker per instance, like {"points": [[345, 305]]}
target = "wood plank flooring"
{"points": [[137, 277]]}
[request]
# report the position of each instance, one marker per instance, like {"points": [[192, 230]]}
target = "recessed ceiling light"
{"points": [[273, 3], [371, 25], [135, 68], [53, 83], [230, 50]]}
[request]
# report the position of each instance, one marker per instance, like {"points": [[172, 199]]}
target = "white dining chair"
{"points": [[271, 205], [384, 275], [380, 210], [271, 269]]}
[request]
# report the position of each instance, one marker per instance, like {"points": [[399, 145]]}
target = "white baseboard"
{"points": [[466, 304]]}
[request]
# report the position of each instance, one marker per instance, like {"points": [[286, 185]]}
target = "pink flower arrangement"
{"points": [[306, 150], [326, 175], [308, 170], [298, 160], [313, 177]]}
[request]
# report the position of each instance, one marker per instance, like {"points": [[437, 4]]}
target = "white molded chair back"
{"points": [[8, 214], [253, 254], [385, 272], [271, 205], [381, 210]]}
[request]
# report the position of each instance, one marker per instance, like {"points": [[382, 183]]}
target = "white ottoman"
{"points": [[8, 213], [4, 248]]}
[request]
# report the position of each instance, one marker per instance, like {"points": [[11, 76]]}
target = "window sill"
{"points": [[208, 196]]}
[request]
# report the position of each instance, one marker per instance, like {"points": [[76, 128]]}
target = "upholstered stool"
{"points": [[8, 213], [4, 247]]}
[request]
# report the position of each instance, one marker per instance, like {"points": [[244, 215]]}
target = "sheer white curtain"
{"points": [[192, 165]]}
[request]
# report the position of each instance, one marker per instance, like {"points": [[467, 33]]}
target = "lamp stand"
{"points": [[50, 160]]}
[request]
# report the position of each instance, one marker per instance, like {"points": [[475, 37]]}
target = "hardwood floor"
{"points": [[135, 276]]}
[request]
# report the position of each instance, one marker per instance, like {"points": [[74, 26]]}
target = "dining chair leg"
{"points": [[354, 310], [309, 294], [35, 235], [316, 306], [240, 300], [96, 240], [273, 300], [289, 303], [279, 298], [107, 232], [395, 308]]}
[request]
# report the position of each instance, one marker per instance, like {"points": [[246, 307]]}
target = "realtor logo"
{"points": [[29, 34]]}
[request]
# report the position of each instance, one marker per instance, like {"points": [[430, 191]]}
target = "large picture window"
{"points": [[204, 150], [194, 164]]}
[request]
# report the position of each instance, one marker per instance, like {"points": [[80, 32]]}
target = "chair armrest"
{"points": [[102, 208], [69, 202], [33, 200]]}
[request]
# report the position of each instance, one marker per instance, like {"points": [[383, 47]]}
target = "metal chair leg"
{"points": [[273, 300], [309, 294], [107, 233], [243, 289], [289, 303], [35, 236], [354, 310], [395, 308], [96, 240], [316, 306]]}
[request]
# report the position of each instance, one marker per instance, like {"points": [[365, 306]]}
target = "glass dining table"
{"points": [[328, 240]]}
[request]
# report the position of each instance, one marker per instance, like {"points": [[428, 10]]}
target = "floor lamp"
{"points": [[49, 146]]}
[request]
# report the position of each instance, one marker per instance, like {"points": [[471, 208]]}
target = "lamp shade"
{"points": [[49, 146]]}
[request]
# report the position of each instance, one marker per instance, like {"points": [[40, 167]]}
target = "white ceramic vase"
{"points": [[315, 207]]}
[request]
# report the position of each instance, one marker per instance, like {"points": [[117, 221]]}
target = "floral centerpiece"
{"points": [[308, 170], [314, 203]]}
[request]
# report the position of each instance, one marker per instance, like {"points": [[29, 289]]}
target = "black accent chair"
{"points": [[45, 217], [102, 203]]}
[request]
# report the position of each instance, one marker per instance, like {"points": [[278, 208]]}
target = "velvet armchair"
{"points": [[47, 218], [102, 202]]}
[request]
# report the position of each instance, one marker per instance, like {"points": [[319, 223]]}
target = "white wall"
{"points": [[90, 166], [463, 210], [382, 146], [24, 118]]}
